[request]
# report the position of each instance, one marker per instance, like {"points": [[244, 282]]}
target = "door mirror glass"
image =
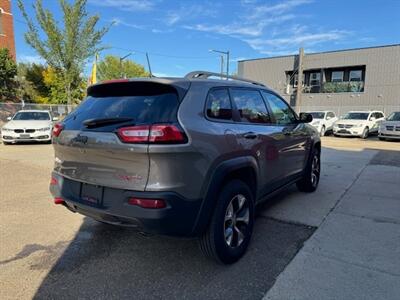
{"points": [[9, 118], [305, 118]]}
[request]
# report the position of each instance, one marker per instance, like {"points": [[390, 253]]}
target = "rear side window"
{"points": [[219, 105], [280, 109], [250, 105], [142, 109]]}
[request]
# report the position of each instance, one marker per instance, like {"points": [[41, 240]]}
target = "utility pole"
{"points": [[299, 78], [222, 66], [227, 60], [120, 64]]}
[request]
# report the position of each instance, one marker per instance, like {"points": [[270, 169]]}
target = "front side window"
{"points": [[250, 105], [280, 109], [337, 76], [219, 105], [355, 75], [331, 115]]}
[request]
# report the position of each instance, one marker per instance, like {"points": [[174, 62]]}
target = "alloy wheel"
{"points": [[236, 221], [315, 170]]}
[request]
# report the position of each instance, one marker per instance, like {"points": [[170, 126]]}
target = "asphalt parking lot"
{"points": [[48, 252]]}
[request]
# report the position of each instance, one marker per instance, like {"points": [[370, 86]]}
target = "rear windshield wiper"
{"points": [[93, 123]]}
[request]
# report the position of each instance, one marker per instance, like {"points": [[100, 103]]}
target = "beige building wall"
{"points": [[381, 86]]}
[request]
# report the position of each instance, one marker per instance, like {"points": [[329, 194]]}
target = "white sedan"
{"points": [[323, 120], [28, 125], [358, 123]]}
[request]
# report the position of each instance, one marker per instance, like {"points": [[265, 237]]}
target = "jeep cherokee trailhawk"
{"points": [[188, 156]]}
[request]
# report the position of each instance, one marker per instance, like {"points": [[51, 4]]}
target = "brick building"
{"points": [[7, 27]]}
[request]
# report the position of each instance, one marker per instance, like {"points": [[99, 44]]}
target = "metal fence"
{"points": [[60, 111], [56, 110]]}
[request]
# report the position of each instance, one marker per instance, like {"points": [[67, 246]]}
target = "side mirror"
{"points": [[9, 118], [328, 118], [55, 119], [372, 119], [305, 118]]}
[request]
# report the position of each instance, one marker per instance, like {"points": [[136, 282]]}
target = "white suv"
{"points": [[323, 120], [390, 128], [358, 123]]}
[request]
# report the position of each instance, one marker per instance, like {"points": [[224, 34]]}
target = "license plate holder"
{"points": [[25, 136], [91, 194]]}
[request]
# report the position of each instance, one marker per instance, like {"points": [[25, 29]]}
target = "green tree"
{"points": [[31, 85], [111, 68], [65, 48], [8, 70]]}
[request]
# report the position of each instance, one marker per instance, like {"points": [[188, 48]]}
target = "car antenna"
{"points": [[148, 64]]}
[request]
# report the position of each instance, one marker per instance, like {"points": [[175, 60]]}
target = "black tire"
{"points": [[5, 143], [310, 180], [323, 131], [222, 241], [381, 138], [365, 133]]}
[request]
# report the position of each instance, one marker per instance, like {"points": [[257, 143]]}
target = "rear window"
{"points": [[141, 109]]}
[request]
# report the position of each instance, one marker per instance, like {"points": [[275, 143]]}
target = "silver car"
{"points": [[389, 129], [185, 156]]}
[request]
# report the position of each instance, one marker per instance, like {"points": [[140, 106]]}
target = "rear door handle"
{"points": [[250, 135]]}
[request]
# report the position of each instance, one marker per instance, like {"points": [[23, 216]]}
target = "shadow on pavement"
{"points": [[110, 262]]}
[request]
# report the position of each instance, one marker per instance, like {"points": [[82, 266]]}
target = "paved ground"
{"points": [[354, 253], [48, 252]]}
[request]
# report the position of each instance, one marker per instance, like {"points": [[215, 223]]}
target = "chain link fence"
{"points": [[60, 110]]}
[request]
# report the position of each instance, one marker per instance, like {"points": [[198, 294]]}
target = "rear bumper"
{"points": [[177, 219]]}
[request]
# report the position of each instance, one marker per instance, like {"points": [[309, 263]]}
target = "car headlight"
{"points": [[7, 129], [43, 129]]}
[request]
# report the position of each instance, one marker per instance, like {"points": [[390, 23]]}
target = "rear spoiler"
{"points": [[139, 87]]}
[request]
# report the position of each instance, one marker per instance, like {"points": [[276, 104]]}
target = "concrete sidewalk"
{"points": [[355, 252]]}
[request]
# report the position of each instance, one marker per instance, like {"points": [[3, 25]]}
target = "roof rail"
{"points": [[206, 74]]}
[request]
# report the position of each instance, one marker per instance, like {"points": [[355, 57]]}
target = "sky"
{"points": [[179, 34]]}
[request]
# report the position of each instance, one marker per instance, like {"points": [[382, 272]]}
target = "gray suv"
{"points": [[188, 157]]}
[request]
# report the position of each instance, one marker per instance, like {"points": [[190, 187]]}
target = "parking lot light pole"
{"points": [[120, 64], [227, 59]]}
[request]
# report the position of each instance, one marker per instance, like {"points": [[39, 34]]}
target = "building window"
{"points": [[1, 21], [355, 75], [337, 76], [315, 79]]}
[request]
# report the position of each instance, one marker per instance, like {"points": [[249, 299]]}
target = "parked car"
{"points": [[358, 123], [323, 121], [27, 126], [390, 128], [185, 156]]}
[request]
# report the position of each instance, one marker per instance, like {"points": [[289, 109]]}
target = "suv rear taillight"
{"points": [[58, 127], [159, 133]]}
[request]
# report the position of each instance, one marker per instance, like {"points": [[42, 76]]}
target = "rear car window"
{"points": [[250, 105], [142, 108], [219, 105]]}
